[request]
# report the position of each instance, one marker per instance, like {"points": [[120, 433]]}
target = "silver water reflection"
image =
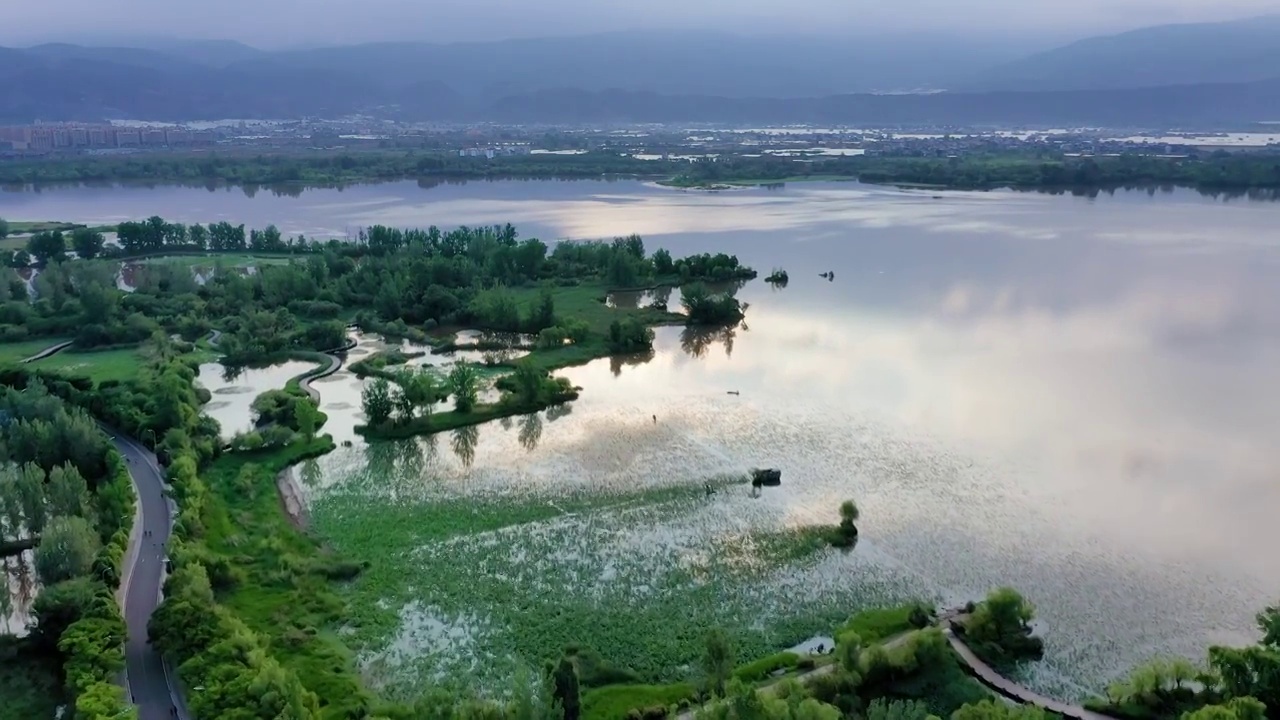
{"points": [[1073, 396], [234, 389]]}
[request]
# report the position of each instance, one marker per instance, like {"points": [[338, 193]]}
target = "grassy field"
{"points": [[100, 365], [586, 303], [613, 701], [122, 364], [879, 624], [18, 229], [19, 351], [218, 260], [284, 581]]}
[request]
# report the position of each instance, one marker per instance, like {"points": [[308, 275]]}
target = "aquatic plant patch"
{"points": [[463, 590]]}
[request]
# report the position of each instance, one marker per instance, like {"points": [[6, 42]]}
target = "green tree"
{"points": [[849, 651], [882, 709], [67, 548], [1269, 623], [104, 701], [717, 661], [464, 387], [996, 710], [846, 533], [47, 246], [1248, 672], [87, 243], [57, 606], [1000, 626], [306, 416], [31, 494], [662, 263], [564, 689], [198, 235], [377, 402], [4, 228], [419, 388], [94, 649], [528, 381], [1245, 708], [543, 313], [67, 493]]}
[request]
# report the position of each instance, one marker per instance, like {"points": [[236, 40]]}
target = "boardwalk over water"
{"points": [[1008, 688]]}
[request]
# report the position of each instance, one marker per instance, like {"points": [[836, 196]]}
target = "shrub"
{"points": [[762, 668]]}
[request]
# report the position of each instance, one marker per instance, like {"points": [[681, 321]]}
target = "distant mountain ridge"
{"points": [[1237, 51], [638, 77]]}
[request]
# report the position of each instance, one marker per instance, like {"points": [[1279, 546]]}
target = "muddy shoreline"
{"points": [[291, 498]]}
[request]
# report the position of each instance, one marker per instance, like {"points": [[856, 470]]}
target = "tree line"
{"points": [[997, 168], [64, 488], [421, 278]]}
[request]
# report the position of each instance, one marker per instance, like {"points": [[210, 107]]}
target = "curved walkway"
{"points": [[1010, 689], [304, 382], [52, 349]]}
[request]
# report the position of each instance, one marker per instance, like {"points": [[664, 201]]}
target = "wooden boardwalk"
{"points": [[1008, 688]]}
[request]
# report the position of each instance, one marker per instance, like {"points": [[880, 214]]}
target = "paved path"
{"points": [[48, 351], [146, 677], [335, 362]]}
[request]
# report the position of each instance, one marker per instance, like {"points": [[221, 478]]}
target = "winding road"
{"points": [[146, 677]]}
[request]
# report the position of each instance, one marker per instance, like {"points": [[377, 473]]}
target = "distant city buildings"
{"points": [[495, 151], [70, 137]]}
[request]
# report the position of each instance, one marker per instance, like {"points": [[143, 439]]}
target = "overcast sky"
{"points": [[276, 23]]}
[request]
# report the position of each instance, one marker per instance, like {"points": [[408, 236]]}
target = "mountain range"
{"points": [[1174, 74]]}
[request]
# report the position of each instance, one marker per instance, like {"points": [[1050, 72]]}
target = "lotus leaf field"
{"points": [[466, 584]]}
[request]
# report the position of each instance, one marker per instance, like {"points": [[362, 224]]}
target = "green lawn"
{"points": [[613, 701], [284, 580], [25, 227], [586, 303], [219, 260], [19, 351], [122, 364], [879, 624]]}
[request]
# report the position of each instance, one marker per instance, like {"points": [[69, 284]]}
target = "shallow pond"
{"points": [[234, 389]]}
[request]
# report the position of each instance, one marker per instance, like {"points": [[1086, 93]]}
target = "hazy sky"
{"points": [[274, 23]]}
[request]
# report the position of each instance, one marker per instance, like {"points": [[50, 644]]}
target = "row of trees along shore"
{"points": [[997, 167]]}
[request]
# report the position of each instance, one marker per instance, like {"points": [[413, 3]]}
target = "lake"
{"points": [[1076, 397]]}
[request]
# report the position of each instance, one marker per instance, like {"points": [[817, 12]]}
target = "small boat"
{"points": [[732, 392], [762, 477]]}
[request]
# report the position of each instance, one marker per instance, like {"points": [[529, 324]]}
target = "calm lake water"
{"points": [[1077, 397]]}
